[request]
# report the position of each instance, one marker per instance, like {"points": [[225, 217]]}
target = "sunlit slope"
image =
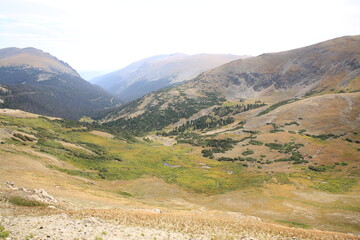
{"points": [[329, 67], [65, 157]]}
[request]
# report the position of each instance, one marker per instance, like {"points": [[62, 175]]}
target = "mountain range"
{"points": [[157, 72], [35, 81], [325, 68], [265, 147]]}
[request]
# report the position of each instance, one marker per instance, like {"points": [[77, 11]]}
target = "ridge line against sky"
{"points": [[110, 34]]}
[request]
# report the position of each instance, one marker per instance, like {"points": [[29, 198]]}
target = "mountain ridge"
{"points": [[332, 67], [156, 72], [313, 66], [35, 81], [38, 59]]}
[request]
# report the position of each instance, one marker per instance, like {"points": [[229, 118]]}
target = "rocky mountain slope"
{"points": [[156, 72], [328, 67], [35, 81]]}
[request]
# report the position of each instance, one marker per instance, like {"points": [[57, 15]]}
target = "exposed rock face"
{"points": [[328, 66], [39, 195]]}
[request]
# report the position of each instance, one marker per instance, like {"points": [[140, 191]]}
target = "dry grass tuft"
{"points": [[215, 224]]}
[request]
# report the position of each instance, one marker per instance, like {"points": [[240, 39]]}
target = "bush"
{"points": [[276, 105], [282, 160], [250, 159], [341, 164], [225, 159], [207, 152], [275, 146], [255, 142], [292, 123], [317, 169], [248, 152], [301, 131]]}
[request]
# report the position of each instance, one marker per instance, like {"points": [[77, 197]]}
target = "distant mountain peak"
{"points": [[151, 74], [329, 67], [36, 58], [38, 82]]}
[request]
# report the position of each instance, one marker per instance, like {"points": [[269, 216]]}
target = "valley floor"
{"points": [[59, 181], [81, 209]]}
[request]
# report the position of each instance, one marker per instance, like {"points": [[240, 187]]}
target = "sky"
{"points": [[106, 35]]}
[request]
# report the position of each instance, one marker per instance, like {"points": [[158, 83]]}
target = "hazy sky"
{"points": [[110, 34]]}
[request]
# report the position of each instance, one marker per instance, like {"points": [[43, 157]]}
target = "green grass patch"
{"points": [[4, 234], [113, 159], [276, 105], [282, 178], [295, 224], [125, 194], [329, 181], [335, 185], [91, 175], [21, 201]]}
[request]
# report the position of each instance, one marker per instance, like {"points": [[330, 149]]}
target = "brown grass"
{"points": [[214, 223]]}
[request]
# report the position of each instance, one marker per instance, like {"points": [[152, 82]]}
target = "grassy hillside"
{"points": [[267, 143], [276, 166]]}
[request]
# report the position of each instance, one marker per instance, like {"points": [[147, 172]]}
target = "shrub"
{"points": [[318, 169], [282, 160], [275, 146], [207, 152], [250, 159], [292, 123], [225, 159], [341, 164], [255, 142], [248, 152], [301, 131], [276, 105]]}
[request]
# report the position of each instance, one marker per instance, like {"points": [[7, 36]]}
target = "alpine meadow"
{"points": [[181, 146]]}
